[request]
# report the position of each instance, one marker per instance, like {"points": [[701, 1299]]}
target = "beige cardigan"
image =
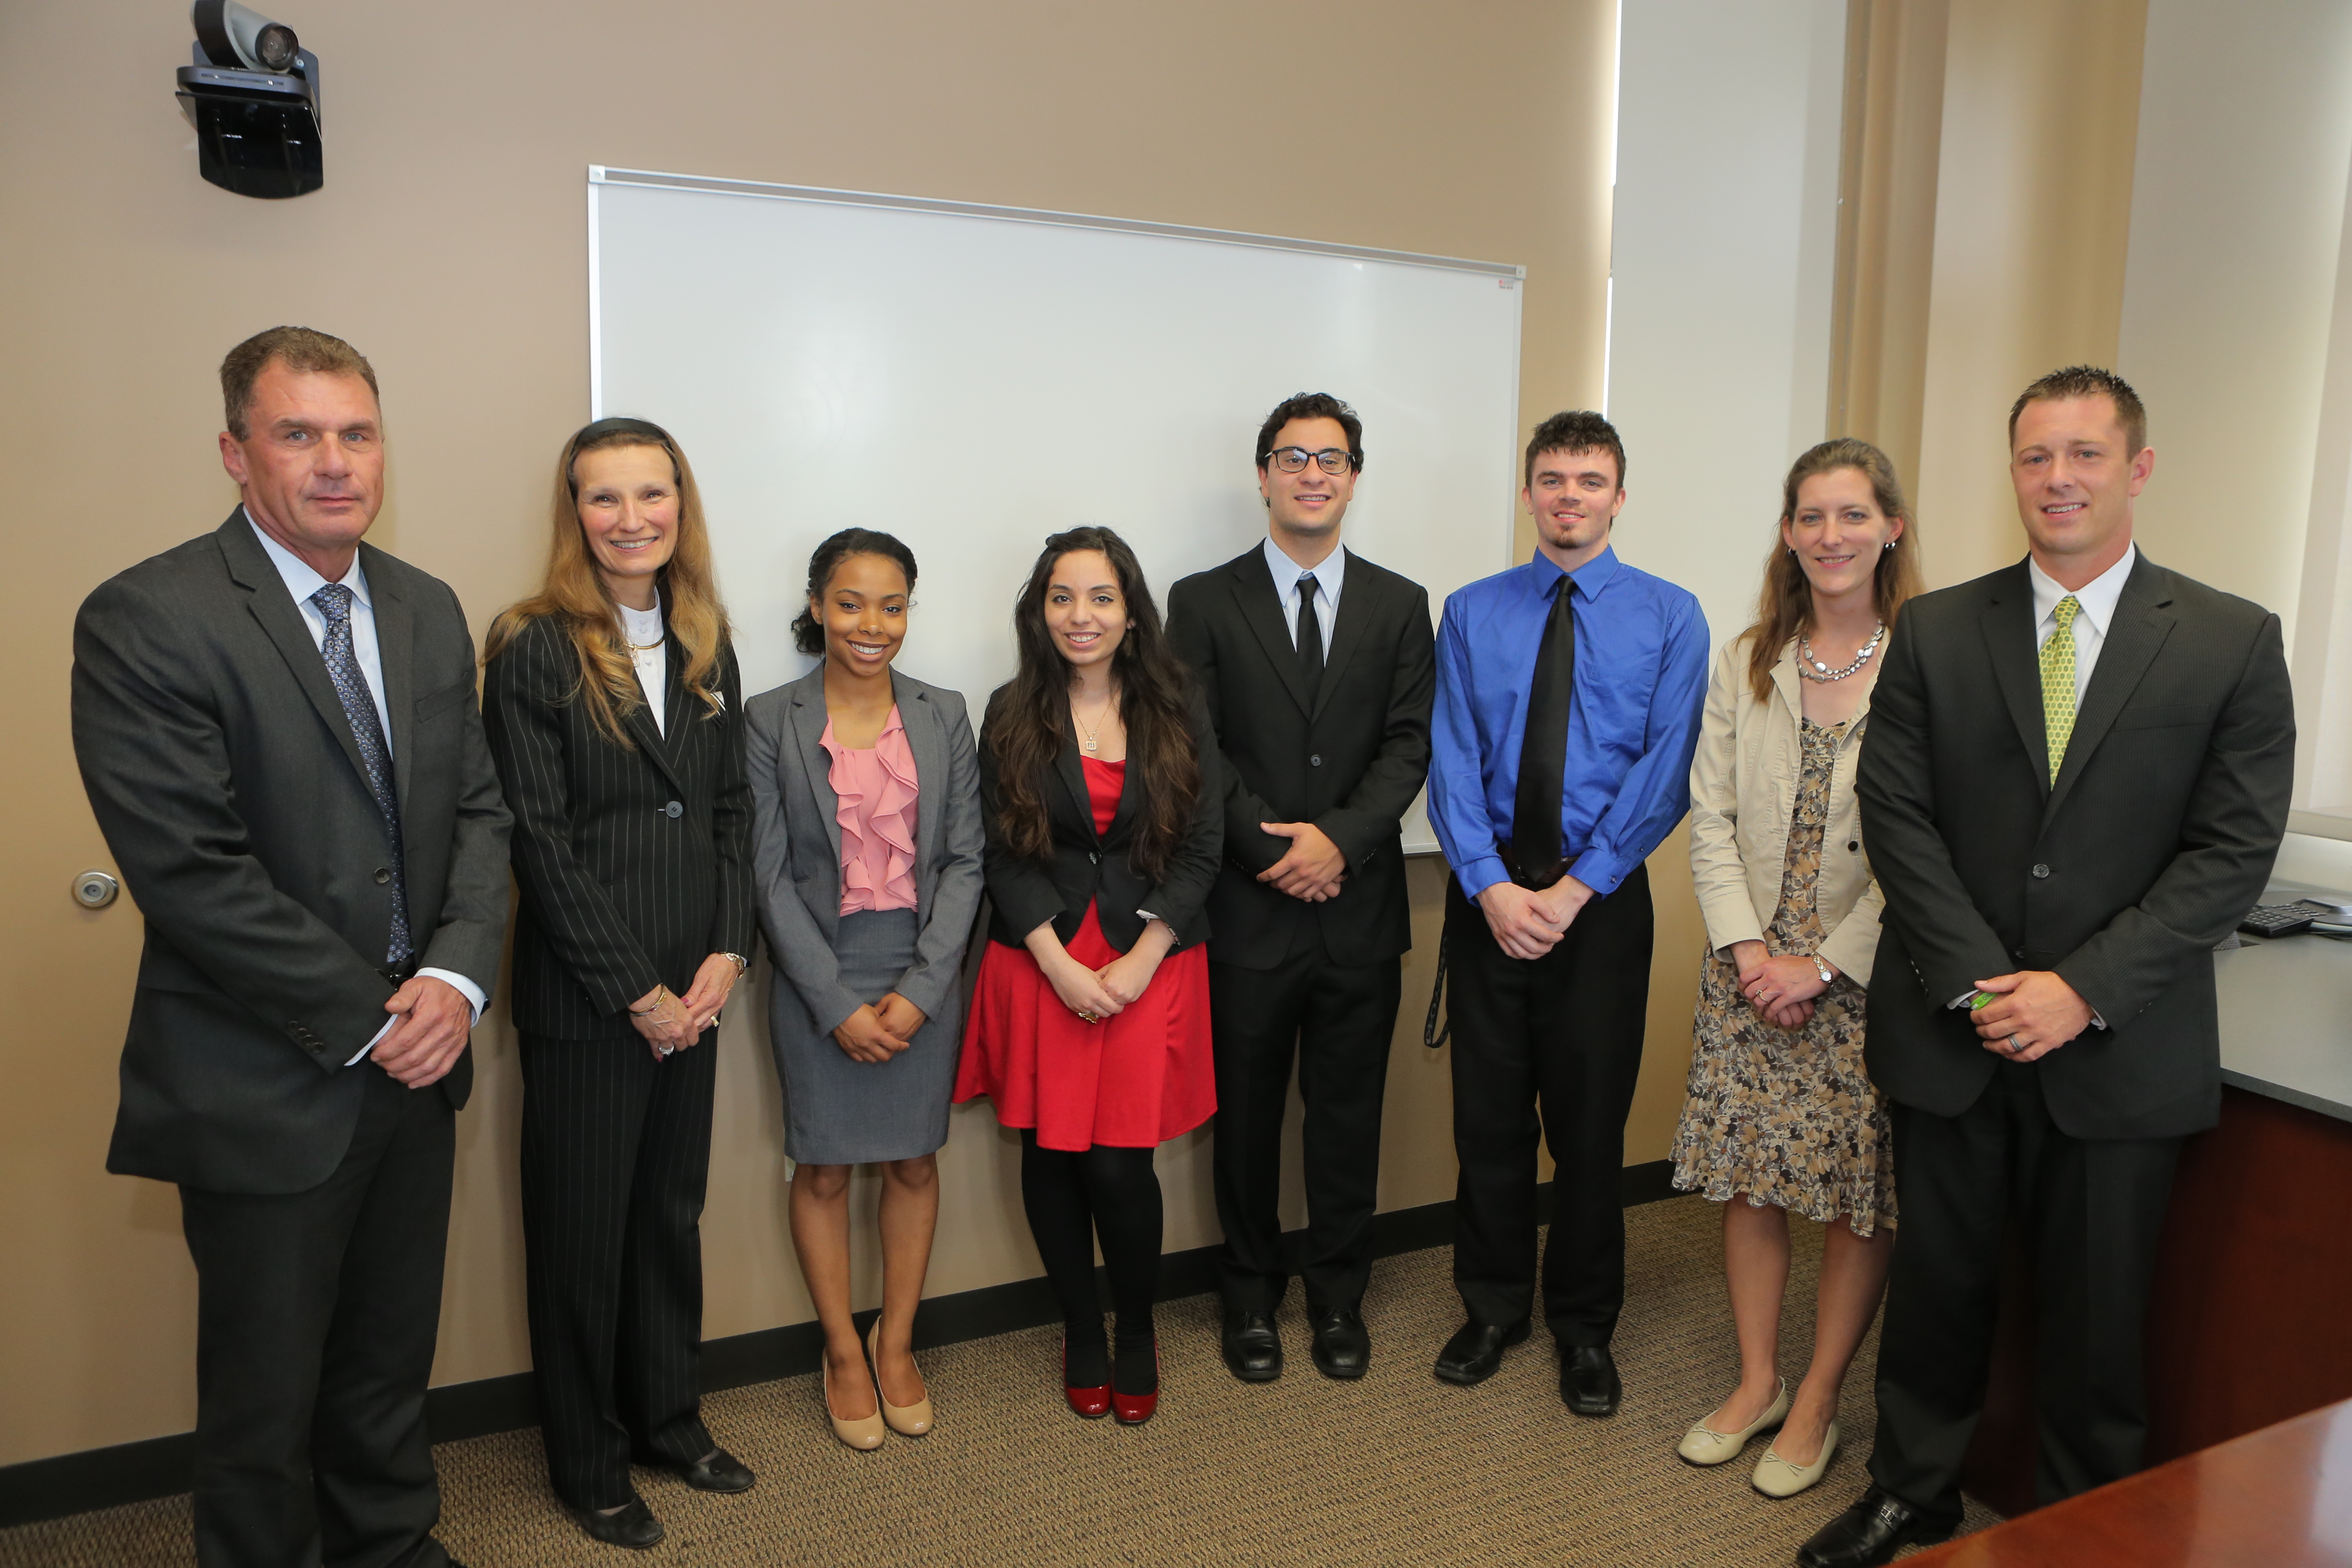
{"points": [[1743, 798]]}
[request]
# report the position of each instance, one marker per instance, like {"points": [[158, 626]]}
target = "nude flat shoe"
{"points": [[865, 1434], [907, 1420], [1703, 1445], [1777, 1477]]}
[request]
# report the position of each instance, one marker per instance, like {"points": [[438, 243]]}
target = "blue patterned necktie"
{"points": [[334, 602]]}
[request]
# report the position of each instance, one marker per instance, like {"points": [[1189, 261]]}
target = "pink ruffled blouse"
{"points": [[876, 794]]}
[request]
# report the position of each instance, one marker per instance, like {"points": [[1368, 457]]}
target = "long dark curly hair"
{"points": [[1027, 727]]}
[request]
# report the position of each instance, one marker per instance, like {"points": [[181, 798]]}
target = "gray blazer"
{"points": [[224, 774], [796, 841]]}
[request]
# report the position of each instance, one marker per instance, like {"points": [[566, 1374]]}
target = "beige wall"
{"points": [[449, 245]]}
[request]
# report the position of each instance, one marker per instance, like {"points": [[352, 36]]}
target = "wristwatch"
{"points": [[742, 964], [1823, 970]]}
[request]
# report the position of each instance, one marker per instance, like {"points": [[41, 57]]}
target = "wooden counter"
{"points": [[2281, 1497]]}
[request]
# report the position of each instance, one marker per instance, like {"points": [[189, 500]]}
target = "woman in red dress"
{"points": [[1090, 1028]]}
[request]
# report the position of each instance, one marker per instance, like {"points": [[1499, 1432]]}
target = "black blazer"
{"points": [[634, 863], [2157, 839], [224, 774], [1350, 762], [1086, 868]]}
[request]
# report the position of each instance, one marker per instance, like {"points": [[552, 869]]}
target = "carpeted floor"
{"points": [[1398, 1468]]}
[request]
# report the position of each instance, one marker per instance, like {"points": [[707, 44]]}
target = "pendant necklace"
{"points": [[1822, 672], [1092, 742]]}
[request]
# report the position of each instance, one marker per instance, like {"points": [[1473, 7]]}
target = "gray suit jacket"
{"points": [[796, 841], [226, 779]]}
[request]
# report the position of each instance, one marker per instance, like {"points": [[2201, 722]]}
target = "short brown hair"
{"points": [[297, 348], [1576, 430], [2088, 381]]}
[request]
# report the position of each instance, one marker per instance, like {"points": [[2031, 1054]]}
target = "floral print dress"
{"points": [[1788, 1116]]}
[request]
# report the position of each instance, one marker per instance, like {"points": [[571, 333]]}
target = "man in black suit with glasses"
{"points": [[1319, 672]]}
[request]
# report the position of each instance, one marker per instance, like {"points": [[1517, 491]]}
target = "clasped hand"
{"points": [[1781, 988], [1313, 867], [434, 1023], [1528, 924], [878, 1030], [670, 1022], [2033, 1008]]}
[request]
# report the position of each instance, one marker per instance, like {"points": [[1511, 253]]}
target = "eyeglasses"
{"points": [[1294, 459]]}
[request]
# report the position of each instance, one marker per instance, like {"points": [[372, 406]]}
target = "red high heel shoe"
{"points": [[1089, 1403], [1135, 1409]]}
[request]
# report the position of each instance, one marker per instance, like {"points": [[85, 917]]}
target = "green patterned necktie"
{"points": [[2058, 684]]}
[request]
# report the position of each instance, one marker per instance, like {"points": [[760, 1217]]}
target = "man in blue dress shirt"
{"points": [[1568, 692]]}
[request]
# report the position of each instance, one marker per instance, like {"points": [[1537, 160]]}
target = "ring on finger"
{"points": [[2011, 1045]]}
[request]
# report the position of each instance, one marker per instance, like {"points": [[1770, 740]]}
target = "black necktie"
{"points": [[1543, 749], [1310, 635]]}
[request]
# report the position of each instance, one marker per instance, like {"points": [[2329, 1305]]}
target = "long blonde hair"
{"points": [[574, 595], [1785, 607]]}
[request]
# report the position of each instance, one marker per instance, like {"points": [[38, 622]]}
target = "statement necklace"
{"points": [[1822, 672]]}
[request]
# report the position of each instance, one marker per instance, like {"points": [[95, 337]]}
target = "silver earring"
{"points": [[1888, 545]]}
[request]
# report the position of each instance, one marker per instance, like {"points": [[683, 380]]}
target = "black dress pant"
{"points": [[1560, 1034], [316, 1317], [615, 1160], [2092, 1209], [1336, 1020]]}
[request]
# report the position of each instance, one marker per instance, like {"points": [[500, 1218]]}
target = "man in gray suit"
{"points": [[277, 727]]}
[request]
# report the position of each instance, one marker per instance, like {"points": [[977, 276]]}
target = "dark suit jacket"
{"points": [[635, 863], [2157, 839], [224, 774], [1350, 761], [1089, 868], [796, 842]]}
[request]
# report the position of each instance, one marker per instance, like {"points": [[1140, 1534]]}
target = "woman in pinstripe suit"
{"points": [[615, 716]]}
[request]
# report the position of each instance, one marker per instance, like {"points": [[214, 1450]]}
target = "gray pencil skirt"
{"points": [[838, 1112]]}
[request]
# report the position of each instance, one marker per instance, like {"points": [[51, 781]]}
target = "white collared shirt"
{"points": [[1331, 573], [301, 581], [2097, 599], [643, 628]]}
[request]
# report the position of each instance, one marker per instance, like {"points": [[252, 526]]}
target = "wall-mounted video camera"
{"points": [[253, 97]]}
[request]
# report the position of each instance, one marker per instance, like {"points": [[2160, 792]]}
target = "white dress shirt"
{"points": [[1331, 573], [2097, 599], [302, 581], [643, 628]]}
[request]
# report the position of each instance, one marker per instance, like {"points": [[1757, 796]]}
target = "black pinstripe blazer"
{"points": [[635, 863]]}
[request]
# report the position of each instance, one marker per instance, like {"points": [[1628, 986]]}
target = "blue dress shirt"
{"points": [[1640, 682]]}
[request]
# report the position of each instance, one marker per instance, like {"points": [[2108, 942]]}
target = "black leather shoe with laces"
{"points": [[1253, 1346], [1870, 1532]]}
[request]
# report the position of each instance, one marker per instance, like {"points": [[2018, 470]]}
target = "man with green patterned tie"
{"points": [[2074, 783]]}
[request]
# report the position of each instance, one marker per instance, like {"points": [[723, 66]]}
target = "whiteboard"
{"points": [[973, 378]]}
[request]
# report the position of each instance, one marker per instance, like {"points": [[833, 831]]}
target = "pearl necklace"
{"points": [[1822, 672]]}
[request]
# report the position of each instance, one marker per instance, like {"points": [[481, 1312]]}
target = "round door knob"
{"points": [[95, 890]]}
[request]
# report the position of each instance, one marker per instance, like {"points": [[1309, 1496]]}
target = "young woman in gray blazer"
{"points": [[867, 835]]}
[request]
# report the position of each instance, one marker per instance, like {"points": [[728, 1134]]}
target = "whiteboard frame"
{"points": [[1509, 275]]}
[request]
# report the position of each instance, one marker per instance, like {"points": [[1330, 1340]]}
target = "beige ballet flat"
{"points": [[907, 1420], [1703, 1445], [1777, 1477], [865, 1434]]}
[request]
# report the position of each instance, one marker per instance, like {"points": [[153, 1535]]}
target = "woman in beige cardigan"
{"points": [[1780, 1114]]}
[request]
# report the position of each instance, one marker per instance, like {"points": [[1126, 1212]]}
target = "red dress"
{"points": [[1141, 1076]]}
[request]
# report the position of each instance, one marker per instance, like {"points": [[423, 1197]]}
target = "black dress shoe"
{"points": [[1870, 1532], [1476, 1350], [721, 1472], [633, 1527], [1588, 1380], [1341, 1348], [1252, 1348]]}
